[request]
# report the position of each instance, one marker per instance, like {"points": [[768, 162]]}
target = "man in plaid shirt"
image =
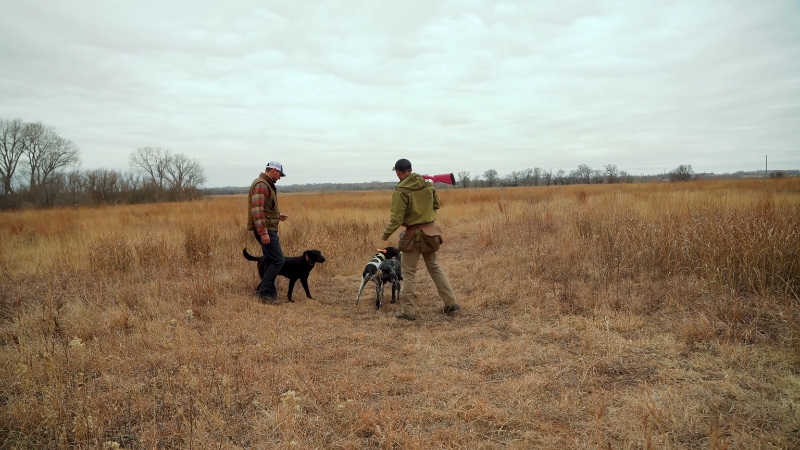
{"points": [[263, 219]]}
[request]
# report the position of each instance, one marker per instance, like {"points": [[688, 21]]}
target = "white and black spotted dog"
{"points": [[384, 268]]}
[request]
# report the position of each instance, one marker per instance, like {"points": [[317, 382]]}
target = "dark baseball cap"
{"points": [[402, 165]]}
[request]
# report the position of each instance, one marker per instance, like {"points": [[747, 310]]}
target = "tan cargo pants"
{"points": [[409, 263]]}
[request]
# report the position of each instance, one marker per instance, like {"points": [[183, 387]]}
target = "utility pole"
{"points": [[766, 164]]}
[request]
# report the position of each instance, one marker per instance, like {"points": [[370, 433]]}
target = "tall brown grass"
{"points": [[634, 316]]}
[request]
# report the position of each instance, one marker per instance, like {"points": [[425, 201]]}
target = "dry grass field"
{"points": [[661, 316]]}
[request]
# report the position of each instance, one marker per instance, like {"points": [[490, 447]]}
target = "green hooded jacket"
{"points": [[414, 202]]}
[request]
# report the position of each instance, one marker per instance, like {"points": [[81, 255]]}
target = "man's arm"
{"points": [[399, 206], [260, 195]]}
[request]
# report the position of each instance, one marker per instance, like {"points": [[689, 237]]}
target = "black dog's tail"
{"points": [[248, 256]]}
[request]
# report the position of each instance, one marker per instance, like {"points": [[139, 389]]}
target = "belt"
{"points": [[418, 226]]}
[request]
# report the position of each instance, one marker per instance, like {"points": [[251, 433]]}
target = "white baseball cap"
{"points": [[277, 166]]}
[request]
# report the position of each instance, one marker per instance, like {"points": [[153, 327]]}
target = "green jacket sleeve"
{"points": [[399, 206]]}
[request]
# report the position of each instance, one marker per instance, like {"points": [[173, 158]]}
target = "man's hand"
{"points": [[283, 217], [265, 238]]}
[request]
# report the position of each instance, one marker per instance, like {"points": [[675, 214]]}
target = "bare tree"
{"points": [[547, 175], [612, 174], [132, 181], [183, 173], [153, 162], [76, 183], [536, 175], [584, 174], [525, 176], [574, 177], [104, 185], [11, 149], [491, 177], [463, 179], [38, 140], [681, 173], [63, 153], [47, 154]]}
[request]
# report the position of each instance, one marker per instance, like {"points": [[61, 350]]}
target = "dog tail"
{"points": [[360, 289], [248, 256]]}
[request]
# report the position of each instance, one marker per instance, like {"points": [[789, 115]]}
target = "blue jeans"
{"points": [[273, 261]]}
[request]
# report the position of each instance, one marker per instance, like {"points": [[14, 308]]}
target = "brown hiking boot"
{"points": [[405, 316], [450, 309], [269, 300]]}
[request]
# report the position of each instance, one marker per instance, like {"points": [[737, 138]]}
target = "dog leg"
{"points": [[291, 288], [378, 291], [395, 287], [304, 282]]}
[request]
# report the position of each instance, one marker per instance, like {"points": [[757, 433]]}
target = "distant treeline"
{"points": [[311, 187], [584, 174], [528, 177], [39, 168]]}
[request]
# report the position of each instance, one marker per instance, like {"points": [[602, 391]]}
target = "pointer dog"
{"points": [[384, 268]]}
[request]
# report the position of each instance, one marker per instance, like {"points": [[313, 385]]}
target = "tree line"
{"points": [[40, 168], [584, 174], [490, 178]]}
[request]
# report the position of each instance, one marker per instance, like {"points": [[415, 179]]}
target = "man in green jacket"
{"points": [[414, 205]]}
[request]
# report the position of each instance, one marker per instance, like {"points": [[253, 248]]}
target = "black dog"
{"points": [[384, 268], [295, 268]]}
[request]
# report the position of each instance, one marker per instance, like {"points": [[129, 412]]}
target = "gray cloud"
{"points": [[338, 91]]}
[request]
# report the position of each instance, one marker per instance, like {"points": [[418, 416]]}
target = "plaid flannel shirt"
{"points": [[260, 195]]}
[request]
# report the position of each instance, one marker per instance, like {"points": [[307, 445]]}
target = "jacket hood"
{"points": [[413, 182]]}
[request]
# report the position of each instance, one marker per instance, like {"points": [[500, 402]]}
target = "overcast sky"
{"points": [[338, 90]]}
